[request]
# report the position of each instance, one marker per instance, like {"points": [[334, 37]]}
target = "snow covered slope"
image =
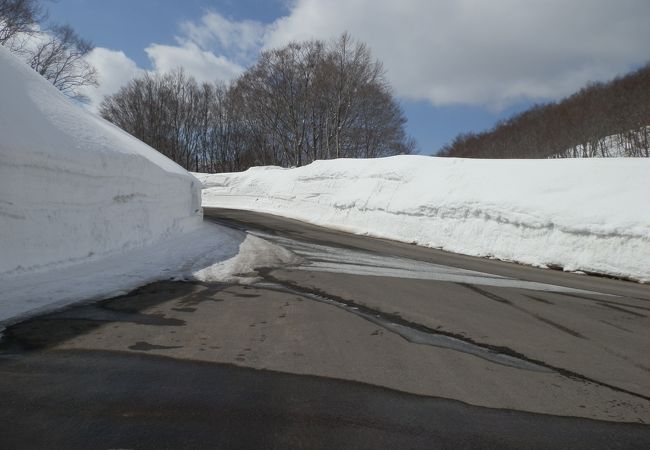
{"points": [[589, 214], [73, 186], [87, 211]]}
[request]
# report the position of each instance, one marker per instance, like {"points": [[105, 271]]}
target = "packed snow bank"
{"points": [[73, 186], [87, 211], [583, 215], [207, 253]]}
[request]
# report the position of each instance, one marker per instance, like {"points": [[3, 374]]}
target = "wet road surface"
{"points": [[364, 343]]}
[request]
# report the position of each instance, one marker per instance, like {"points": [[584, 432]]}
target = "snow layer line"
{"points": [[589, 215], [75, 188]]}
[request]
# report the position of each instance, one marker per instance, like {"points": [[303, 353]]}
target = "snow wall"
{"points": [[73, 186], [589, 215]]}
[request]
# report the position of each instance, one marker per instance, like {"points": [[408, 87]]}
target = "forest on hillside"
{"points": [[601, 120]]}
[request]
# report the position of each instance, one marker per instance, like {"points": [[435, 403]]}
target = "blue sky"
{"points": [[456, 65], [131, 25]]}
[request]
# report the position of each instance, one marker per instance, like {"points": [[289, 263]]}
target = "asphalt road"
{"points": [[361, 343]]}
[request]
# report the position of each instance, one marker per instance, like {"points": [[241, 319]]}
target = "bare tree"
{"points": [[306, 101], [61, 60], [19, 17], [57, 53], [312, 100]]}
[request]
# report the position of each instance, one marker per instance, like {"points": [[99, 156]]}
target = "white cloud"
{"points": [[114, 70], [482, 52], [203, 65], [195, 53], [240, 40], [475, 52]]}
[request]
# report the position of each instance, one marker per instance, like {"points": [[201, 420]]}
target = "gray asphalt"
{"points": [[360, 343]]}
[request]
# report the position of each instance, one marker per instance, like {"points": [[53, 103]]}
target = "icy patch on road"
{"points": [[321, 258]]}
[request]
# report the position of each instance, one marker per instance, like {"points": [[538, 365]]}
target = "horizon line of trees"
{"points": [[306, 101], [56, 52], [600, 120]]}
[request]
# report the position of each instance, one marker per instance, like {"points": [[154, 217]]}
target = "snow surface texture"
{"points": [[587, 215], [73, 186], [87, 211], [207, 253]]}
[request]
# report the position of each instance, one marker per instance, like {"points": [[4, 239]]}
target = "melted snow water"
{"points": [[324, 258], [415, 335]]}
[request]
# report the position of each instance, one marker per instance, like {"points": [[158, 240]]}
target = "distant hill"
{"points": [[601, 120]]}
